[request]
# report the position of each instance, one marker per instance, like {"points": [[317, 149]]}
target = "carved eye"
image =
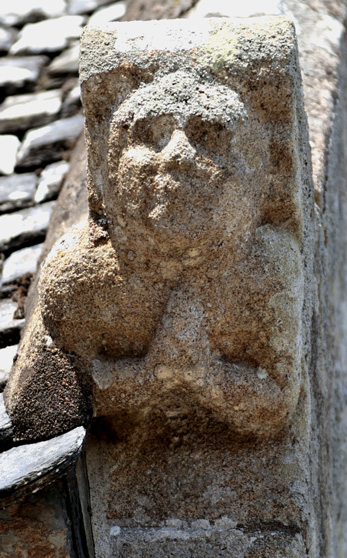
{"points": [[154, 133], [210, 139]]}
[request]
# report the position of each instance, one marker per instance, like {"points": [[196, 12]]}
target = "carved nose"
{"points": [[178, 150]]}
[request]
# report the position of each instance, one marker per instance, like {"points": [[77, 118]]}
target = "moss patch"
{"points": [[221, 48]]}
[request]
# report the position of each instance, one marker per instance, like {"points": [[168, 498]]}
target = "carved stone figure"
{"points": [[178, 312], [185, 285]]}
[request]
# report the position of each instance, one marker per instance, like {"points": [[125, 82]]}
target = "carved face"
{"points": [[171, 163]]}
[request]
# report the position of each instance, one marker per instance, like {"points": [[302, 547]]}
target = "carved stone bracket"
{"points": [[187, 285]]}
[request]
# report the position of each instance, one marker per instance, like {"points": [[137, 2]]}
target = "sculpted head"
{"points": [[172, 151]]}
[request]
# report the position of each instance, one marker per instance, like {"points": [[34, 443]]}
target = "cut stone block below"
{"points": [[205, 542]]}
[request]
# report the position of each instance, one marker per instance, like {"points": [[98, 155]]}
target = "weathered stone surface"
{"points": [[48, 143], [17, 191], [66, 63], [48, 36], [50, 181], [18, 12], [21, 262], [8, 153], [110, 13], [16, 72], [29, 466], [9, 326], [22, 112], [6, 360], [23, 226]]}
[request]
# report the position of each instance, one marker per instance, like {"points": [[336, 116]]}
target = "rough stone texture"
{"points": [[41, 488], [37, 526], [204, 542], [159, 464]]}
